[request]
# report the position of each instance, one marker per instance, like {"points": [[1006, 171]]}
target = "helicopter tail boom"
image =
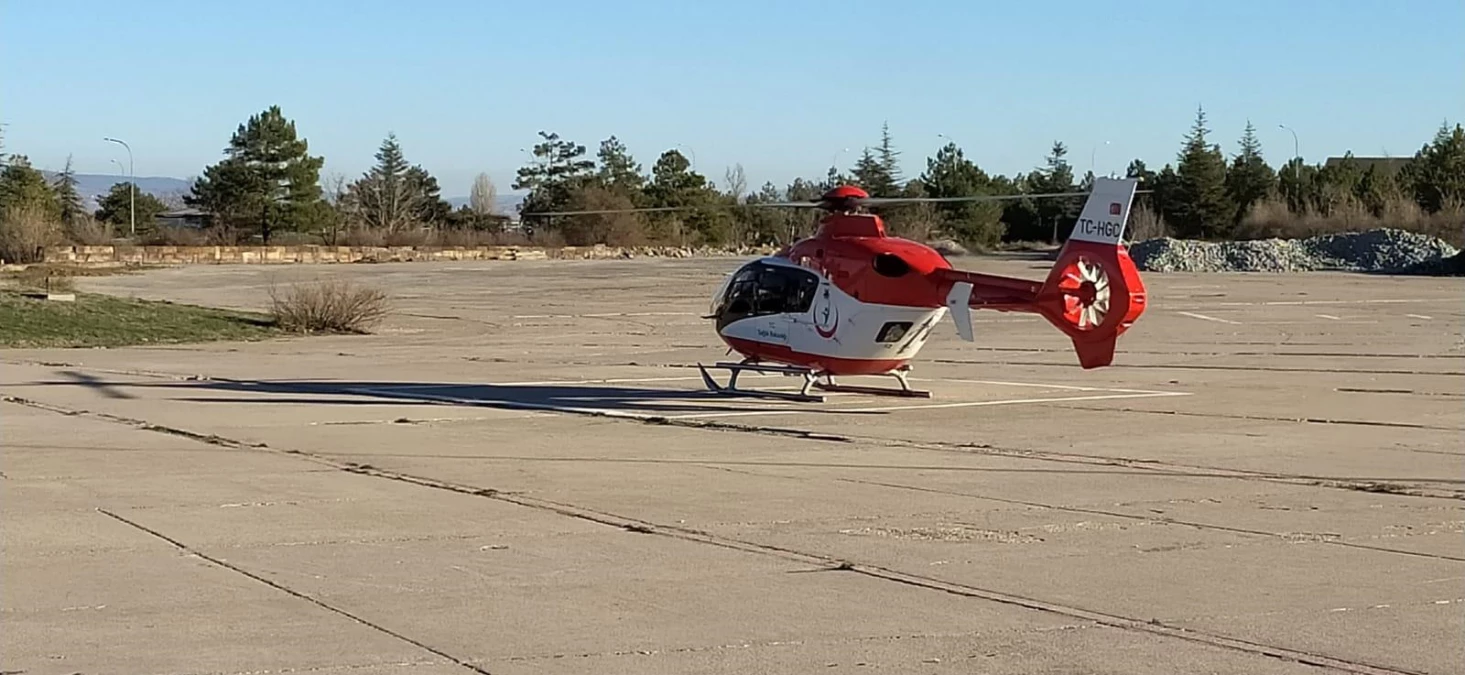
{"points": [[1093, 292]]}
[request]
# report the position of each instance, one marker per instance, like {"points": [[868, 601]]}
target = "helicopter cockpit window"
{"points": [[760, 289]]}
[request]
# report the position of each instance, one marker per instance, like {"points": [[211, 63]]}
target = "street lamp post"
{"points": [[834, 161], [1296, 156], [1296, 153], [1093, 155], [131, 188]]}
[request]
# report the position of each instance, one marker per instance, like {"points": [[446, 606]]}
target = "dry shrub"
{"points": [[88, 231], [25, 232], [328, 306], [1272, 218], [1146, 223]]}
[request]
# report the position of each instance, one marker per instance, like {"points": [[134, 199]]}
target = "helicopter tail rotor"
{"points": [[1094, 293]]}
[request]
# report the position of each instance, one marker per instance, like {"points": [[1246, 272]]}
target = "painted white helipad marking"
{"points": [[408, 386], [1193, 315], [597, 315], [1268, 303]]}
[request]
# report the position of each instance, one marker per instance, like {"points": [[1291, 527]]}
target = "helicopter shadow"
{"points": [[588, 398]]}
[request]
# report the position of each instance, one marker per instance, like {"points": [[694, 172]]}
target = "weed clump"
{"points": [[328, 306]]}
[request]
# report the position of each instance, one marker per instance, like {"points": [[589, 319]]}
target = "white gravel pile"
{"points": [[1382, 250]]}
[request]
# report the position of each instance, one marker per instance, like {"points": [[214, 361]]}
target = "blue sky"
{"points": [[781, 87]]}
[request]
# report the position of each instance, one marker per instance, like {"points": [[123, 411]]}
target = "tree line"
{"points": [[268, 188]]}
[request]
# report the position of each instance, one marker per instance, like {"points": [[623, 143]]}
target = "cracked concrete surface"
{"points": [[519, 474]]}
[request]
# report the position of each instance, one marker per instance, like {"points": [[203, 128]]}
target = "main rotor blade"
{"points": [[875, 201], [868, 201]]}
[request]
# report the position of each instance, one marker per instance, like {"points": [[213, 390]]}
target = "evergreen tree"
{"points": [[1437, 173], [68, 200], [889, 162], [431, 209], [869, 173], [1054, 217], [674, 184], [1168, 192], [24, 188], [950, 174], [1249, 179], [115, 206], [618, 170], [395, 195], [268, 178], [1297, 183], [1202, 209], [559, 169]]}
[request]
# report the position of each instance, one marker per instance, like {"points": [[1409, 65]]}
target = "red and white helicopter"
{"points": [[852, 300]]}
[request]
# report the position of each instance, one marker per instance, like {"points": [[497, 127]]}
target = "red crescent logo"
{"points": [[822, 313]]}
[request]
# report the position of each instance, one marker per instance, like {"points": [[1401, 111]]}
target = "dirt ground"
{"points": [[520, 472]]}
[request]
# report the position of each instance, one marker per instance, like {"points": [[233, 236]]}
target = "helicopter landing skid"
{"points": [[811, 381], [737, 368], [904, 391]]}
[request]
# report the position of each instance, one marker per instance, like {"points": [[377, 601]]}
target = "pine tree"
{"points": [[1055, 216], [870, 174], [268, 178], [1249, 179], [68, 200], [559, 169], [618, 170], [1437, 173], [950, 174], [116, 207], [890, 164], [24, 188], [1203, 210]]}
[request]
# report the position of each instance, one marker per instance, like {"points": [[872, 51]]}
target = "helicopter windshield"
{"points": [[760, 289]]}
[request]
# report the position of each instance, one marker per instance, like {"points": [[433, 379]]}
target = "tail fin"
{"points": [[1094, 292]]}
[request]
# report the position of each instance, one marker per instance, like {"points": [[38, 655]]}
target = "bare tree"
{"points": [[484, 196], [737, 182]]}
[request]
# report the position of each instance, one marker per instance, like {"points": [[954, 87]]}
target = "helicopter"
{"points": [[852, 300]]}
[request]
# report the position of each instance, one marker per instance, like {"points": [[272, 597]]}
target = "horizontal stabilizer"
{"points": [[958, 301]]}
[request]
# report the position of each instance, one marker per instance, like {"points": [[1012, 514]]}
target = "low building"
{"points": [[184, 217]]}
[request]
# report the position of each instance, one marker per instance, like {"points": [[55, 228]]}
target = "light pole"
{"points": [[1296, 154], [1093, 154], [131, 188], [834, 161]]}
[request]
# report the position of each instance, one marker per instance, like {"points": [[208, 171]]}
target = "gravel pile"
{"points": [[1383, 250]]}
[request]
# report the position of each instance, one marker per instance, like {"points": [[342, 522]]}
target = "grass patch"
{"points": [[109, 321]]}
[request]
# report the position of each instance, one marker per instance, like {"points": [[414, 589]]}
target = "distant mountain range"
{"points": [[93, 186]]}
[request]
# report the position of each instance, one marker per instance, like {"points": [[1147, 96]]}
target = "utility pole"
{"points": [[131, 188]]}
